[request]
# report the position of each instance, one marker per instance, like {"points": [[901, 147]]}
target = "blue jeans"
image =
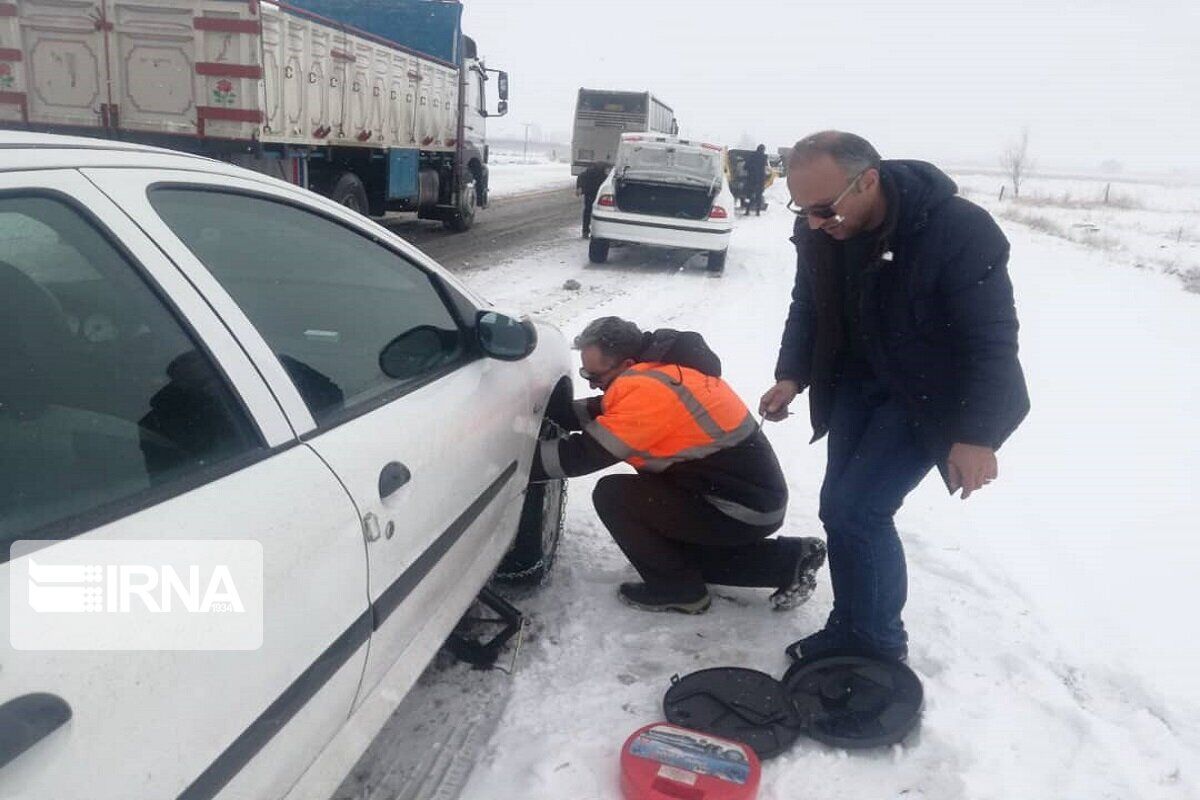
{"points": [[874, 461]]}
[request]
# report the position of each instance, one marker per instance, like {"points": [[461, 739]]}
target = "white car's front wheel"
{"points": [[538, 532]]}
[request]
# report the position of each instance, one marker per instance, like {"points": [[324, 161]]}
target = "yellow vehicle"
{"points": [[739, 185]]}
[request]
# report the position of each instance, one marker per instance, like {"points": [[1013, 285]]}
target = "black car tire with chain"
{"points": [[531, 556]]}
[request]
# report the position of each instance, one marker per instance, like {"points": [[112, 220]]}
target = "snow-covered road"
{"points": [[1049, 615]]}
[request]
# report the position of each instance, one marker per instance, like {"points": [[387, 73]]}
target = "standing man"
{"points": [[588, 184], [903, 329], [708, 489], [756, 177]]}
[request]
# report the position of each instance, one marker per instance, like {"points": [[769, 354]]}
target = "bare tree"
{"points": [[1016, 161]]}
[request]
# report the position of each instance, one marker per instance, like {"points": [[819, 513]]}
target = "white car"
{"points": [[666, 192], [190, 351]]}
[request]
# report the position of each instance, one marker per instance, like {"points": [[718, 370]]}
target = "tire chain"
{"points": [[555, 431]]}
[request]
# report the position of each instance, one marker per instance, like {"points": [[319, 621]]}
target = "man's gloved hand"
{"points": [[971, 467], [775, 402]]}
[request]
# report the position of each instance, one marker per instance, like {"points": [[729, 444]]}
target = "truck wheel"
{"points": [[462, 218], [716, 260], [538, 532], [598, 251], [348, 191]]}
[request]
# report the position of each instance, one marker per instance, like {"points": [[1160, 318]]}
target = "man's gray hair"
{"points": [[617, 338], [851, 152]]}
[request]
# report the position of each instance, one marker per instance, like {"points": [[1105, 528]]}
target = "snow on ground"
{"points": [[1049, 615], [1150, 225], [510, 179]]}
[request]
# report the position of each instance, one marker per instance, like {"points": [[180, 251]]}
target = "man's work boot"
{"points": [[810, 557], [687, 601]]}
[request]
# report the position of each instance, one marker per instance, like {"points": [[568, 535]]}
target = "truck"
{"points": [[602, 115], [380, 105]]}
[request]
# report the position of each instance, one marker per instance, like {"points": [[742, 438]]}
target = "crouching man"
{"points": [[708, 489]]}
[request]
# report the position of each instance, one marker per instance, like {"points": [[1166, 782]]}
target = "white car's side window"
{"points": [[351, 321], [105, 399]]}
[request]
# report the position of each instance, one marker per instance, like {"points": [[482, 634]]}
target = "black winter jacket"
{"points": [[939, 322], [591, 179]]}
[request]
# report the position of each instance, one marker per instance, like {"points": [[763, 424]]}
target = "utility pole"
{"points": [[528, 125]]}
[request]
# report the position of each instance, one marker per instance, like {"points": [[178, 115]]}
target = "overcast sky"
{"points": [[946, 81]]}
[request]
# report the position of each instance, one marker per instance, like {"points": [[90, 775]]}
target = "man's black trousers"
{"points": [[677, 540]]}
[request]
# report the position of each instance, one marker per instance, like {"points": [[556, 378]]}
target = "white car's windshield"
{"points": [[668, 163]]}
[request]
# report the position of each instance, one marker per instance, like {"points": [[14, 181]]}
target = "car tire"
{"points": [[716, 260], [598, 251], [539, 531], [349, 191]]}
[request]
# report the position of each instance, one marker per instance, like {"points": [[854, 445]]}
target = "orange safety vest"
{"points": [[655, 415]]}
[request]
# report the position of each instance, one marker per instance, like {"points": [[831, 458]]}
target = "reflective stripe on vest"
{"points": [[638, 427]]}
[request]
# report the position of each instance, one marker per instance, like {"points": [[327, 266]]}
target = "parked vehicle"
{"points": [[379, 106], [666, 192], [739, 179], [601, 116], [194, 351]]}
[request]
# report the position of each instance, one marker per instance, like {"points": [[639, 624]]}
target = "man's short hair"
{"points": [[849, 151], [617, 338]]}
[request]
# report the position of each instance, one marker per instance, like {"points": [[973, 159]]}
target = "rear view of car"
{"points": [[664, 192]]}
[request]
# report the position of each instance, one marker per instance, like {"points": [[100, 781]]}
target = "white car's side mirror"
{"points": [[503, 337]]}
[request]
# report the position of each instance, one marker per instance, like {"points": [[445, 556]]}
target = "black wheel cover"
{"points": [[734, 703], [854, 701]]}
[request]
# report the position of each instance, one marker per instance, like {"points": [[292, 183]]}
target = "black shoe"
{"points": [[830, 639], [803, 583], [837, 641], [639, 595]]}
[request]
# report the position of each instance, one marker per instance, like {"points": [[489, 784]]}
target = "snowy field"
{"points": [[510, 179], [1049, 615], [1152, 226]]}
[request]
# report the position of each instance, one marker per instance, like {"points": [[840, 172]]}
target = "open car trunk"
{"points": [[663, 199]]}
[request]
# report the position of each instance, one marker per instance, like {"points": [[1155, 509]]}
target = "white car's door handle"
{"points": [[391, 478]]}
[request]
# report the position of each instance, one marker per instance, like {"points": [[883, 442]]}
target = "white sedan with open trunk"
{"points": [[664, 192]]}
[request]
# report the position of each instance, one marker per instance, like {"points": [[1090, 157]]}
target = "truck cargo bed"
{"points": [[220, 69]]}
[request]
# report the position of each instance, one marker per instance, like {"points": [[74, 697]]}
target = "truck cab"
{"points": [[475, 111]]}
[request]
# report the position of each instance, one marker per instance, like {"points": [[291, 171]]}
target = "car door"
{"points": [[435, 451], [132, 422]]}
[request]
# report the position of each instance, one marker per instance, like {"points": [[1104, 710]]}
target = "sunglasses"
{"points": [[824, 210], [593, 377]]}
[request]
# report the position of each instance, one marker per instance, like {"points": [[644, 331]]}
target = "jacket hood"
{"points": [[915, 188], [683, 348]]}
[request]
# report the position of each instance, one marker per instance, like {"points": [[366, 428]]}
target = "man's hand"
{"points": [[774, 403], [971, 467]]}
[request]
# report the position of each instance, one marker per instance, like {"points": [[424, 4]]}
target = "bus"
{"points": [[601, 116]]}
